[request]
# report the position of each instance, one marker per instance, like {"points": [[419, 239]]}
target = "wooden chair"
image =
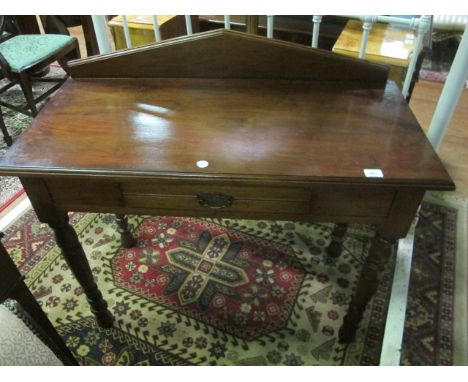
{"points": [[21, 56], [12, 286]]}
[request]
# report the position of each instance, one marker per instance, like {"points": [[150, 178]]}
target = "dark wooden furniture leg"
{"points": [[68, 242], [72, 55], [337, 237], [396, 226], [75, 257], [13, 286], [92, 47], [6, 135], [380, 251], [26, 86], [251, 24], [126, 237]]}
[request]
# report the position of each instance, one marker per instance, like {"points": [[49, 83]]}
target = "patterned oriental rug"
{"points": [[233, 292], [429, 327]]}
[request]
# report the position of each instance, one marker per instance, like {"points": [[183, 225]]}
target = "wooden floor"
{"points": [[454, 148]]}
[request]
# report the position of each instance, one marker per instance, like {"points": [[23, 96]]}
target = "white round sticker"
{"points": [[202, 163]]}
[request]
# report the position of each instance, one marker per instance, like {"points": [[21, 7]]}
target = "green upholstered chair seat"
{"points": [[24, 50]]}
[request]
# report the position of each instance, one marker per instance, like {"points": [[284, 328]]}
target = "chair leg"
{"points": [[72, 55], [42, 324], [26, 86], [75, 53], [6, 135]]}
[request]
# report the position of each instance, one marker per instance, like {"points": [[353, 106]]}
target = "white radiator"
{"points": [[450, 22]]}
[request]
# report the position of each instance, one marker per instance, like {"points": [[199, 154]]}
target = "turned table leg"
{"points": [[126, 238], [337, 237], [396, 226], [380, 251], [75, 257]]}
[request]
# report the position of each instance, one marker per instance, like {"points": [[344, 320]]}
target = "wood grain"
{"points": [[230, 54], [182, 197], [266, 130]]}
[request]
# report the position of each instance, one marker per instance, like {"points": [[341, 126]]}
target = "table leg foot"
{"points": [[75, 257], [379, 253], [348, 330], [126, 238], [337, 237]]}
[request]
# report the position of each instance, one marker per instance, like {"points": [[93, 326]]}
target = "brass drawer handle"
{"points": [[215, 200]]}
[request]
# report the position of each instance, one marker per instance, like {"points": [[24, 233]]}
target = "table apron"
{"points": [[333, 203]]}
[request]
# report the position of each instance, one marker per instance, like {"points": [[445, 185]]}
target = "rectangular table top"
{"points": [[265, 129]]}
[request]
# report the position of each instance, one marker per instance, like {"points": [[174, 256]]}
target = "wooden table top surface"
{"points": [[265, 129]]}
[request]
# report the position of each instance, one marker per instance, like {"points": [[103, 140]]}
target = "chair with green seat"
{"points": [[21, 56]]}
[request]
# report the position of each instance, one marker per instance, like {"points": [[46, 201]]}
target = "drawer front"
{"points": [[221, 199], [196, 204], [167, 197], [236, 191], [200, 196]]}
